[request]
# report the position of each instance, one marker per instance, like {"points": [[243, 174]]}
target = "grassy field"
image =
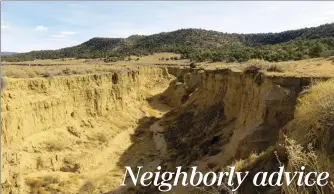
{"points": [[317, 67], [49, 68], [151, 59]]}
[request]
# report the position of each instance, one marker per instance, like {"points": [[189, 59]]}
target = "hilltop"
{"points": [[200, 45]]}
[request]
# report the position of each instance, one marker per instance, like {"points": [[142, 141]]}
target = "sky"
{"points": [[27, 26]]}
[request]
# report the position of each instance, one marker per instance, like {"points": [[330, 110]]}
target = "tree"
{"points": [[317, 49]]}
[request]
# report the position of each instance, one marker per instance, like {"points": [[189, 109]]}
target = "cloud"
{"points": [[30, 40], [41, 28], [64, 34]]}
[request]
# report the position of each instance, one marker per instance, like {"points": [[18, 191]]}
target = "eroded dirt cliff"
{"points": [[63, 133], [75, 134]]}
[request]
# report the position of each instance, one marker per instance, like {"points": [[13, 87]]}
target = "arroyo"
{"points": [[166, 180]]}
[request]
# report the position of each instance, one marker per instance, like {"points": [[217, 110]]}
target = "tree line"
{"points": [[201, 45]]}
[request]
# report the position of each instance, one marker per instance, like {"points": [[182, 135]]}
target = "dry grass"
{"points": [[313, 161], [50, 68], [275, 68], [99, 137], [53, 146], [16, 71], [309, 142], [247, 163], [317, 67], [315, 113], [41, 185], [256, 66], [150, 59]]}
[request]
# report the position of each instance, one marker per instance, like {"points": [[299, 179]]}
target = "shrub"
{"points": [[111, 59], [231, 60], [67, 71], [46, 74], [252, 69], [275, 68], [32, 74], [193, 65], [39, 162], [52, 146], [42, 185], [176, 58], [72, 130]]}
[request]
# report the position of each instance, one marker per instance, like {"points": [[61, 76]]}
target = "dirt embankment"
{"points": [[75, 134], [223, 116], [67, 133]]}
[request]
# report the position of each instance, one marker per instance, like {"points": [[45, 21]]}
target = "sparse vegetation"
{"points": [[299, 156], [275, 68], [252, 69], [41, 185], [72, 130], [39, 163], [315, 113], [53, 146]]}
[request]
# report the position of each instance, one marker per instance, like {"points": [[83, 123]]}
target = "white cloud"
{"points": [[30, 40], [64, 34], [41, 28]]}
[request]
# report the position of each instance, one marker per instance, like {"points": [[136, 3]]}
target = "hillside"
{"points": [[7, 53], [200, 45]]}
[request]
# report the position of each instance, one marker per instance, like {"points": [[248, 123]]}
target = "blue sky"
{"points": [[27, 26]]}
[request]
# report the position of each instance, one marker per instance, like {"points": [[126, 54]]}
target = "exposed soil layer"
{"points": [[75, 134]]}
